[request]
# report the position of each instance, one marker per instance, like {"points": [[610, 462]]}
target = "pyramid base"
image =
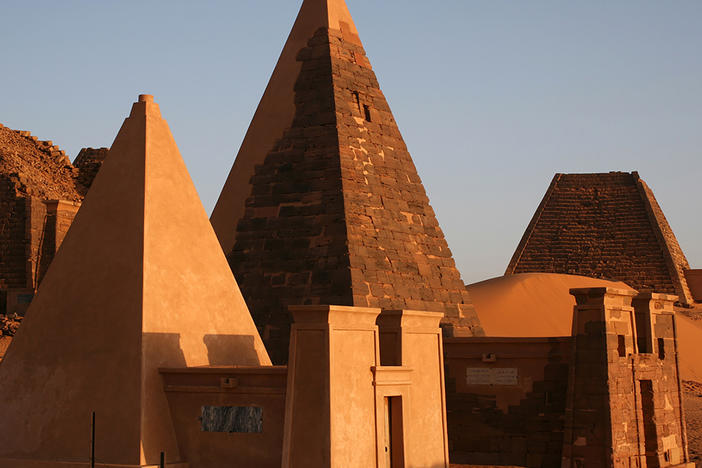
{"points": [[25, 463]]}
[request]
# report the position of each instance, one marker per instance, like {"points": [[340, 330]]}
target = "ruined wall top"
{"points": [[38, 167]]}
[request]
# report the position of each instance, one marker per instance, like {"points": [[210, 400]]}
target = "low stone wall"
{"points": [[226, 414], [506, 400]]}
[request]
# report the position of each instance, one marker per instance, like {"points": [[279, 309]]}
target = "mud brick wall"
{"points": [[337, 213], [604, 226], [495, 421]]}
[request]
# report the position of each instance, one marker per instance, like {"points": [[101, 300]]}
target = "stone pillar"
{"points": [[664, 435], [330, 400], [601, 426], [414, 339]]}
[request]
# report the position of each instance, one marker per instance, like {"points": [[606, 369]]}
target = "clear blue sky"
{"points": [[493, 97]]}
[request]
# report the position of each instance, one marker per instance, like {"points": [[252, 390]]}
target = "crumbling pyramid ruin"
{"points": [[323, 204], [139, 283], [608, 226]]}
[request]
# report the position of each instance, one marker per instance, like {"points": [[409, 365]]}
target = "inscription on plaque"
{"points": [[492, 376], [247, 419]]}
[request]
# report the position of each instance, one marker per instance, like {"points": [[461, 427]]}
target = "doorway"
{"points": [[394, 440], [649, 423]]}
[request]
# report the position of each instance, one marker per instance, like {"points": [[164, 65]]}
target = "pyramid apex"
{"points": [[339, 16], [145, 105], [332, 14]]}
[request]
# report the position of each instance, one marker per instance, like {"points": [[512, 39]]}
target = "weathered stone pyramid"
{"points": [[608, 226], [139, 283], [323, 204]]}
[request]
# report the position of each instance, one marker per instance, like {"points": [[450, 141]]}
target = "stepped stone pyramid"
{"points": [[139, 283], [608, 226], [323, 204]]}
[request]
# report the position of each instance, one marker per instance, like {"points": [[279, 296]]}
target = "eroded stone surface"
{"points": [[337, 213], [607, 226]]}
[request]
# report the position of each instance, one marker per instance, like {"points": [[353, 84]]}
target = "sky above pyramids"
{"points": [[493, 97]]}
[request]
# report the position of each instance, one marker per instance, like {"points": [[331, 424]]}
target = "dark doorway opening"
{"points": [[649, 421], [394, 441]]}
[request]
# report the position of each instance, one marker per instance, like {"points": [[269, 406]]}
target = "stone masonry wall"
{"points": [[291, 242], [398, 254], [624, 406], [494, 421], [599, 225], [675, 258], [13, 244], [658, 370], [609, 396], [337, 213], [89, 161]]}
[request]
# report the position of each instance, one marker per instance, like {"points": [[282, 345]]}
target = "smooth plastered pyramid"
{"points": [[139, 283], [323, 204]]}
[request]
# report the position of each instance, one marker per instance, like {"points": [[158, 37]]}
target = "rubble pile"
{"points": [[9, 325]]}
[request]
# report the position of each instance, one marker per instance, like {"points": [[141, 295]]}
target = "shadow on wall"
{"points": [[164, 349], [157, 434], [228, 350], [483, 433]]}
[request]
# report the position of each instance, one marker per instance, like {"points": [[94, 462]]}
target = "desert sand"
{"points": [[530, 304]]}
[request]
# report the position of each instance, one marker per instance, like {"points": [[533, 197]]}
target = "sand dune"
{"points": [[690, 348]]}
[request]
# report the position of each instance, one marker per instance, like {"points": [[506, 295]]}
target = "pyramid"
{"points": [[323, 204], [608, 226], [139, 283]]}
